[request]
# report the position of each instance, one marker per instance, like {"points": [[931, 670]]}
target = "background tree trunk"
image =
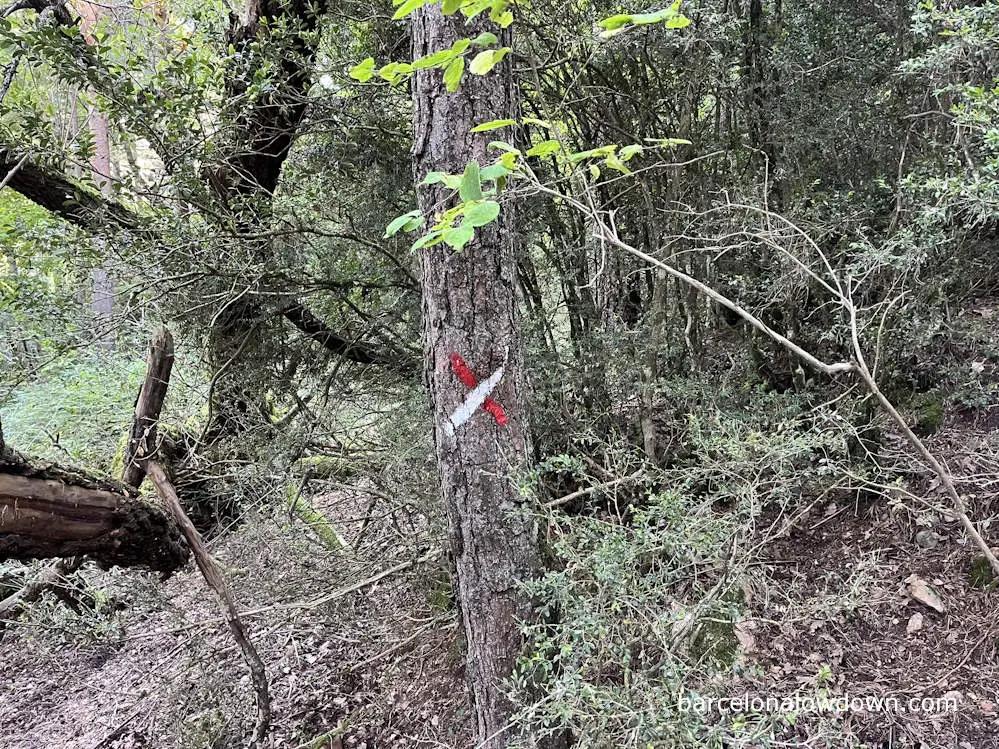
{"points": [[469, 308], [101, 279]]}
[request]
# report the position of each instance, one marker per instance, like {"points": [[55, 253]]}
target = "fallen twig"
{"points": [[213, 576]]}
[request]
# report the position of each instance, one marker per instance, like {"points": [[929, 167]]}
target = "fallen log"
{"points": [[51, 511]]}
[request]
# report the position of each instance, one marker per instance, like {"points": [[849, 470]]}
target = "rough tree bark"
{"points": [[49, 511], [469, 308]]}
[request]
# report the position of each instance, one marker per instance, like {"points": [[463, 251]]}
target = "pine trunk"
{"points": [[470, 309]]}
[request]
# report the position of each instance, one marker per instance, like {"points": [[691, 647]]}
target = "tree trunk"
{"points": [[102, 281], [470, 310]]}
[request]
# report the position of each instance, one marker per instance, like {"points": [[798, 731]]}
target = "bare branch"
{"points": [[213, 576]]}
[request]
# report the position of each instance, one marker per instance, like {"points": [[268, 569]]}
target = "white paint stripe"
{"points": [[472, 403]]}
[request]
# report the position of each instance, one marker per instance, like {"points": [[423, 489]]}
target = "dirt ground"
{"points": [[363, 648], [838, 592], [351, 665]]}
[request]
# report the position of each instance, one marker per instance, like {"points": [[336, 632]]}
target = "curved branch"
{"points": [[70, 200], [356, 350]]}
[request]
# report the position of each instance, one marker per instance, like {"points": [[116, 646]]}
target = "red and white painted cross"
{"points": [[476, 399]]}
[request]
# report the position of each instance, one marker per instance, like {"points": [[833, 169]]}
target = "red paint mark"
{"points": [[470, 381]]}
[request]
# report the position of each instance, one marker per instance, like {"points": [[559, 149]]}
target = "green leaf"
{"points": [[394, 72], [453, 73], [407, 7], [673, 142], [545, 148], [615, 22], [628, 152], [494, 172], [427, 240], [505, 20], [450, 7], [408, 221], [623, 21], [502, 146], [497, 9], [593, 153], [483, 62], [536, 121], [459, 236], [509, 160], [615, 163], [388, 71], [471, 8], [594, 171], [451, 181], [481, 214], [485, 127], [485, 39], [643, 19], [437, 59], [471, 183], [363, 71]]}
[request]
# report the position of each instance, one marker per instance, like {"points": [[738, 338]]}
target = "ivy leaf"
{"points": [[471, 183], [453, 73], [481, 214], [363, 71]]}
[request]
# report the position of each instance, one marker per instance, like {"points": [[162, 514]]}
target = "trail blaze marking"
{"points": [[478, 398]]}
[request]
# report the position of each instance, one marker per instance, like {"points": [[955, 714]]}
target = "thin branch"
{"points": [[213, 576]]}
